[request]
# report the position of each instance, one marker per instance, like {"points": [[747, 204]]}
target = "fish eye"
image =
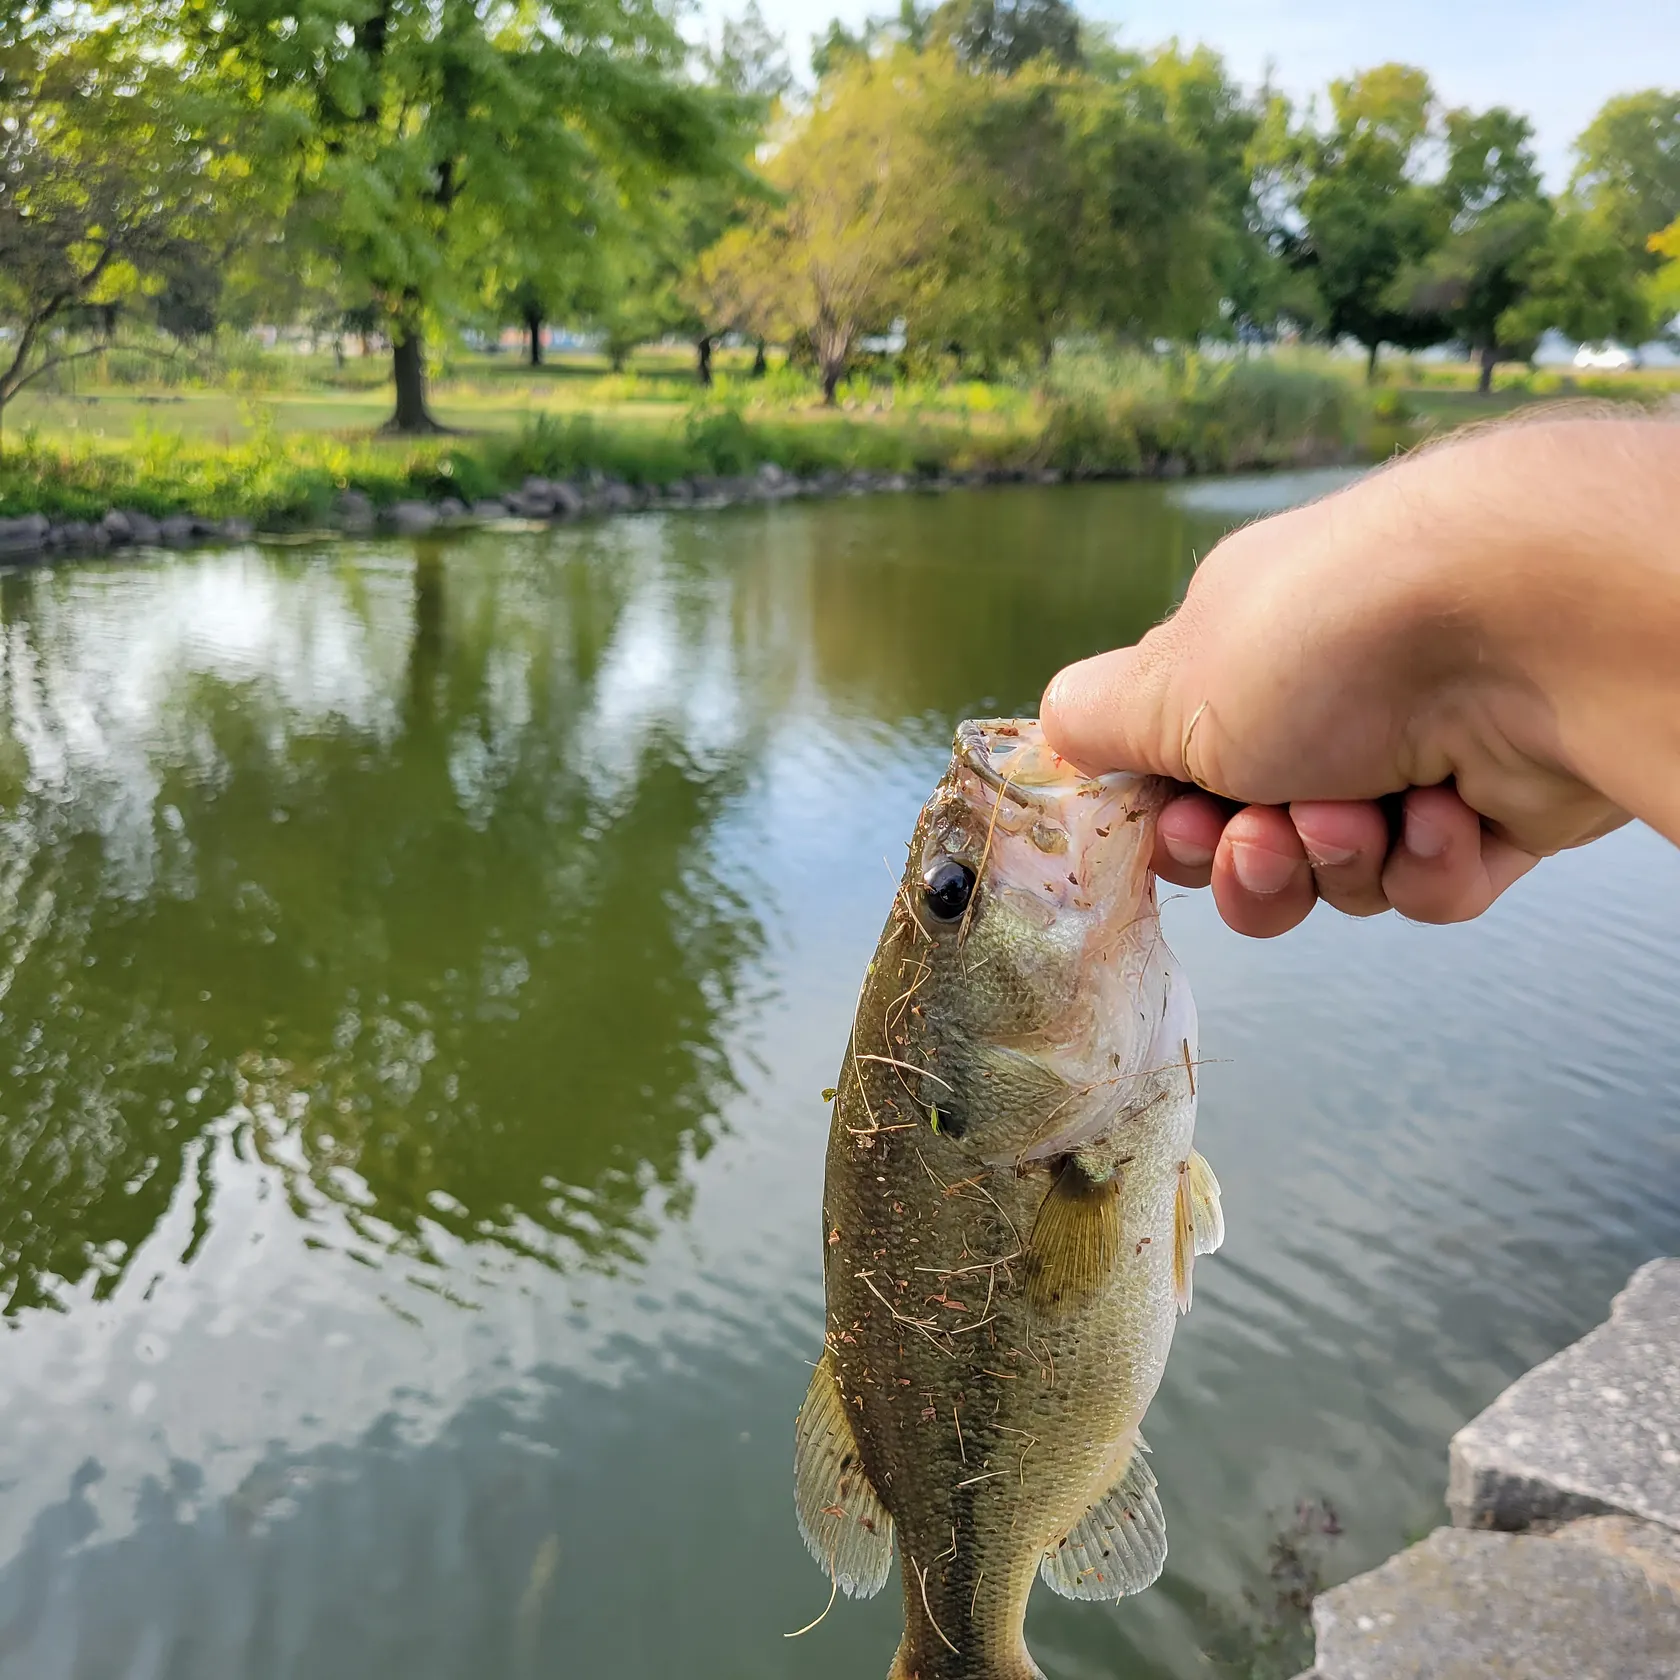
{"points": [[947, 887]]}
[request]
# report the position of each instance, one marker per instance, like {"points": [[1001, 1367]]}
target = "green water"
{"points": [[419, 965]]}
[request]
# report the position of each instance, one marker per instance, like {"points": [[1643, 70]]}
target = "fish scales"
{"points": [[1011, 1210]]}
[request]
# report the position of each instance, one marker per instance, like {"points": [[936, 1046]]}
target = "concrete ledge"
{"points": [[1597, 1600], [1595, 1429]]}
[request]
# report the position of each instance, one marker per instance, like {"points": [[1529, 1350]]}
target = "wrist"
{"points": [[1570, 602]]}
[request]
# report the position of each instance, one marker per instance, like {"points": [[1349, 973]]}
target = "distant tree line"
{"points": [[996, 176]]}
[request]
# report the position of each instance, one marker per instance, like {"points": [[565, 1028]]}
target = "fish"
{"points": [[1012, 1210]]}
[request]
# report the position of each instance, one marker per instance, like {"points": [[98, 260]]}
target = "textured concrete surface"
{"points": [[1597, 1600], [1594, 1429]]}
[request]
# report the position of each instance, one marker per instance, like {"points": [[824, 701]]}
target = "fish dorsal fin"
{"points": [[1198, 1222], [1119, 1546], [841, 1516], [1075, 1241]]}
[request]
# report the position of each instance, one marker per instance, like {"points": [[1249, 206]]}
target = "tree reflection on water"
{"points": [[400, 872]]}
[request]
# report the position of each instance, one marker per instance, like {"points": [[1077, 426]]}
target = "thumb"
{"points": [[1120, 711]]}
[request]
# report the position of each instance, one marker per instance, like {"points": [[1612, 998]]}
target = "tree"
{"points": [[1583, 280], [1596, 274], [1073, 207], [1662, 289], [1366, 213], [750, 60], [910, 27], [431, 133], [1500, 219], [1004, 36], [861, 191], [110, 172], [1628, 176], [1247, 150]]}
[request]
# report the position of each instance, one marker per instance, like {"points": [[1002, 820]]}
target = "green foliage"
{"points": [[1003, 36], [861, 192], [990, 174], [117, 183], [445, 153], [1584, 280], [1132, 413], [1662, 288], [1477, 282], [1077, 208], [1104, 412], [838, 45], [1628, 177], [1368, 213]]}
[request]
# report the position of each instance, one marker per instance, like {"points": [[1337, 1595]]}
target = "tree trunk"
{"points": [[831, 372], [761, 362], [533, 330], [1371, 363], [703, 359], [1490, 355], [616, 354], [408, 365]]}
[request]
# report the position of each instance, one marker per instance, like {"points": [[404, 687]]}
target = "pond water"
{"points": [[419, 966]]}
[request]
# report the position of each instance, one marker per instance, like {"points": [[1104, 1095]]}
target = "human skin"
{"points": [[1485, 636]]}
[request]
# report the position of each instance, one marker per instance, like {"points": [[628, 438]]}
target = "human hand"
{"points": [[1421, 638]]}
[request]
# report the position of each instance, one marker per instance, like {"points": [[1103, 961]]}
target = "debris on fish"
{"points": [[1011, 1214]]}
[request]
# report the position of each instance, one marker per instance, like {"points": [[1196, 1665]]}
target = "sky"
{"points": [[1555, 60]]}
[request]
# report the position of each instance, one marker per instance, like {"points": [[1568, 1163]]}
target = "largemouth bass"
{"points": [[1011, 1213]]}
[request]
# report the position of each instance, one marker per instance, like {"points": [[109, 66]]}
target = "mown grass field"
{"points": [[474, 395]]}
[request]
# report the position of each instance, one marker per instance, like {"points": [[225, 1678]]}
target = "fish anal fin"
{"points": [[841, 1517], [1075, 1241], [1119, 1546]]}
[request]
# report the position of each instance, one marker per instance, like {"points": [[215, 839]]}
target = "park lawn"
{"points": [[282, 436], [475, 396]]}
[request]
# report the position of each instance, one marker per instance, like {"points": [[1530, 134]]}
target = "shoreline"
{"points": [[1562, 1556], [35, 538]]}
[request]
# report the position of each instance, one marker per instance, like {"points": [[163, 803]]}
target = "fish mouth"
{"points": [[1011, 756]]}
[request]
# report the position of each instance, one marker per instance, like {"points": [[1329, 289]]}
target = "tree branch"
{"points": [[60, 300], [9, 391]]}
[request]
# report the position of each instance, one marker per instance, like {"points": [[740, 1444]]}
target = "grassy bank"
{"points": [[277, 439]]}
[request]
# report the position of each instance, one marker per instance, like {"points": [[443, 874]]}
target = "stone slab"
{"points": [[1594, 1429], [1597, 1600]]}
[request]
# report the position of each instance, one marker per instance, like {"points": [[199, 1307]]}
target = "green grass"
{"points": [[276, 437], [285, 480]]}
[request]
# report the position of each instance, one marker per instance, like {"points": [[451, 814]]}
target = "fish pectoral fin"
{"points": [[1119, 1546], [1075, 1241], [1198, 1223], [1207, 1219], [841, 1516]]}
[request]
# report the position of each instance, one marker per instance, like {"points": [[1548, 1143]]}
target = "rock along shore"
{"points": [[1563, 1560], [33, 536]]}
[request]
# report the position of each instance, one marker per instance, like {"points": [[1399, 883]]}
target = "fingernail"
{"points": [[1260, 870], [1327, 857], [1424, 839], [1187, 852]]}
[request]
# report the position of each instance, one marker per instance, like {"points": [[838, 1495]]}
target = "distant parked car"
{"points": [[1606, 356]]}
